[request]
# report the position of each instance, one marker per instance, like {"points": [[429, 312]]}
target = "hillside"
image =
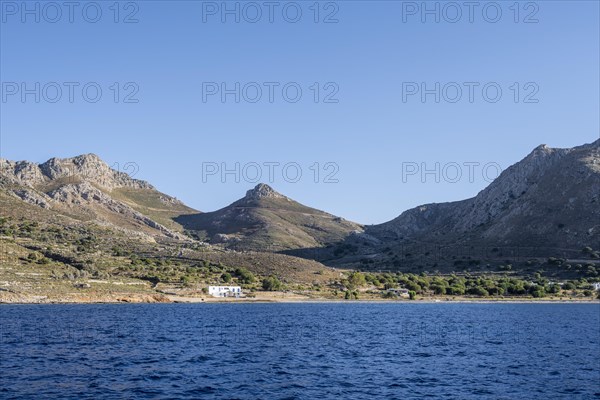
{"points": [[76, 230], [547, 205], [87, 189], [268, 221]]}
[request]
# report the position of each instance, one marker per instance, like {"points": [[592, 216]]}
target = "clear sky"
{"points": [[373, 61]]}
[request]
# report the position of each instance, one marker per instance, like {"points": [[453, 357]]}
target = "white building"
{"points": [[596, 286], [225, 291]]}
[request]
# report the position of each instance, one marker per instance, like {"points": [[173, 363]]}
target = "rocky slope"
{"points": [[88, 167], [547, 204], [86, 188], [267, 220], [76, 230]]}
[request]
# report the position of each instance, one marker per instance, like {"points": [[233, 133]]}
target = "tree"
{"points": [[271, 283], [351, 295], [410, 285], [478, 291], [438, 289], [244, 275], [457, 290], [226, 277], [554, 288], [538, 292], [412, 294], [356, 279]]}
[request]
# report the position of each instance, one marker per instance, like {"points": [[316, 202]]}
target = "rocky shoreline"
{"points": [[270, 297]]}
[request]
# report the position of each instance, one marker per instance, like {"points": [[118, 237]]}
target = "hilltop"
{"points": [[267, 220]]}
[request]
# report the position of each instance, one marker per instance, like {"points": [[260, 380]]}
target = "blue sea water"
{"points": [[300, 351]]}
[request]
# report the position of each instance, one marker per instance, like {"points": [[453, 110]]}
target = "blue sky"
{"points": [[371, 57]]}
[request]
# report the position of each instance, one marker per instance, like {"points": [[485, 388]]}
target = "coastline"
{"points": [[273, 297]]}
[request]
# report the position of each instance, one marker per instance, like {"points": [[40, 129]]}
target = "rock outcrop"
{"points": [[89, 168], [86, 186]]}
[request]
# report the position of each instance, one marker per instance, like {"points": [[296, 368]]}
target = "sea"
{"points": [[319, 351]]}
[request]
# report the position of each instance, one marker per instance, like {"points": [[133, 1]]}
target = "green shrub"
{"points": [[271, 283], [438, 289], [119, 252], [554, 289], [355, 280], [478, 291], [538, 292], [244, 275], [456, 290], [349, 295]]}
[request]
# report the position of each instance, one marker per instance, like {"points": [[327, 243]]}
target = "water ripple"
{"points": [[300, 351]]}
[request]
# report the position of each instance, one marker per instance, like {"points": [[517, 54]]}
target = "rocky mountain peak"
{"points": [[262, 191], [86, 168], [89, 158], [550, 187]]}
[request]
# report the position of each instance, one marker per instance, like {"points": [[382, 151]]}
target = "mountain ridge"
{"points": [[85, 187], [88, 166], [549, 199], [547, 203]]}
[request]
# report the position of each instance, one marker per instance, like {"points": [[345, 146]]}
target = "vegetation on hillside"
{"points": [[475, 285], [74, 254]]}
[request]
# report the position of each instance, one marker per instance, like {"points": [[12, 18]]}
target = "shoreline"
{"points": [[173, 299]]}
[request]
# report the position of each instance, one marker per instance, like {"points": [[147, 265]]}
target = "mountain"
{"points": [[268, 221], [548, 204], [75, 229], [87, 189]]}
